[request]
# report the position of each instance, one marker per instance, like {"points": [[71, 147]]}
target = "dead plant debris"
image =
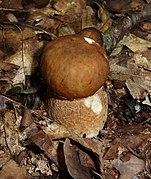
{"points": [[32, 144]]}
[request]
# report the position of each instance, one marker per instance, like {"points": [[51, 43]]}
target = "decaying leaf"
{"points": [[136, 91], [11, 124], [70, 11], [13, 171], [135, 137], [4, 151], [105, 18], [124, 6], [24, 51], [8, 70], [11, 17], [75, 169], [142, 61], [87, 18], [130, 168], [42, 147], [86, 160], [24, 58], [4, 157], [112, 152], [117, 5], [44, 143], [135, 43], [27, 119], [136, 80], [12, 4]]}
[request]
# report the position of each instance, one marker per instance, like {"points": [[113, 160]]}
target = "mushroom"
{"points": [[85, 117], [92, 33], [74, 66], [75, 69]]}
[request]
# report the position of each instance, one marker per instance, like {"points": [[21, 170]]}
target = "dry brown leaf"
{"points": [[70, 11], [117, 5], [86, 159], [16, 4], [130, 168], [135, 142], [65, 30], [122, 6], [4, 86], [76, 170], [11, 125], [43, 141], [44, 21], [134, 136], [25, 60], [4, 157], [36, 4], [105, 18], [11, 17], [123, 73], [142, 61], [138, 81], [4, 151], [24, 51], [137, 5], [112, 152], [27, 119], [135, 90], [10, 33], [139, 86], [8, 70], [13, 171], [87, 18], [135, 43], [143, 32]]}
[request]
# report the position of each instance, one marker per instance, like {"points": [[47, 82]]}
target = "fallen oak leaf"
{"points": [[76, 170], [130, 168]]}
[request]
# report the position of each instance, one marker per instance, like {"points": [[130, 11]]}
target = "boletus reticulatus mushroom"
{"points": [[75, 69]]}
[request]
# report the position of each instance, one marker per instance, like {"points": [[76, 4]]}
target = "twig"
{"points": [[123, 26]]}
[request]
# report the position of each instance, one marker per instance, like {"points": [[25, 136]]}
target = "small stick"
{"points": [[123, 26]]}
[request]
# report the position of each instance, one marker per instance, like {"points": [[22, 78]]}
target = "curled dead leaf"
{"points": [[76, 170]]}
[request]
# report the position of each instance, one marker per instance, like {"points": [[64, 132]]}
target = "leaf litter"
{"points": [[34, 146]]}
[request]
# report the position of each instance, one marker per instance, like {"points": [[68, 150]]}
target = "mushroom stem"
{"points": [[85, 117]]}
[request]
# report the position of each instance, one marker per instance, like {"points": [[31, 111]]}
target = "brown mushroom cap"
{"points": [[74, 66], [85, 117], [93, 33]]}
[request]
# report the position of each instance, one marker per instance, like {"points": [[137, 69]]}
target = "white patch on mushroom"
{"points": [[89, 40], [93, 102]]}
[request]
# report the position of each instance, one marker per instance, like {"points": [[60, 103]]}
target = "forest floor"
{"points": [[32, 144]]}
